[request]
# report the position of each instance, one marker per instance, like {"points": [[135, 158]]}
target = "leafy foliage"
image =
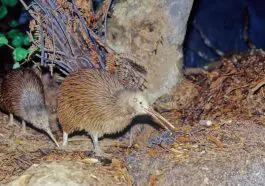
{"points": [[3, 40], [12, 37], [9, 3], [18, 40], [20, 53], [12, 33], [13, 23], [16, 65], [26, 41], [3, 12]]}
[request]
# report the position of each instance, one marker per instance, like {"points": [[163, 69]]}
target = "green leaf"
{"points": [[18, 40], [20, 53], [16, 65], [3, 40], [3, 12], [12, 33], [13, 23], [26, 40], [10, 3]]}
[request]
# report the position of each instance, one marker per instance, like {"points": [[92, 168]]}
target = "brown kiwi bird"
{"points": [[95, 101], [22, 95]]}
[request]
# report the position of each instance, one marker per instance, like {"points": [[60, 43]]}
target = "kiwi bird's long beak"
{"points": [[163, 121], [52, 137]]}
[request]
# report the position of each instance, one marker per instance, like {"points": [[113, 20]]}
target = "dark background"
{"points": [[221, 22]]}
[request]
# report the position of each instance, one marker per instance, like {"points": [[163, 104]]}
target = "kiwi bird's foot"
{"points": [[99, 153], [97, 150], [11, 121], [24, 132]]}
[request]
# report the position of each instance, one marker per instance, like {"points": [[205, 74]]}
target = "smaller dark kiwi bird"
{"points": [[22, 95], [95, 101]]}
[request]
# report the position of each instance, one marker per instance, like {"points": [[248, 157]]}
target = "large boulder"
{"points": [[153, 32]]}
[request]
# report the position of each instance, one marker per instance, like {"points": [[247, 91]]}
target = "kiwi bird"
{"points": [[95, 101], [22, 95]]}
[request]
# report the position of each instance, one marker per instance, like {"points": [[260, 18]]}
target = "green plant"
{"points": [[3, 12], [5, 4], [3, 40], [9, 3], [18, 41]]}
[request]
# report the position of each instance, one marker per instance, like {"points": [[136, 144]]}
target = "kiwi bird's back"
{"points": [[21, 89], [88, 99]]}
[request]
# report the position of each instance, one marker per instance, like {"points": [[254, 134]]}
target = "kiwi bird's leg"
{"points": [[24, 127], [24, 131], [97, 149], [131, 138], [11, 120], [65, 139]]}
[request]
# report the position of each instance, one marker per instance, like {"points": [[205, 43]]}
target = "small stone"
{"points": [[90, 160], [206, 123]]}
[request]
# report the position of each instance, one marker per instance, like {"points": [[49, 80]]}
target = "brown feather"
{"points": [[22, 95], [96, 101], [88, 99], [15, 84]]}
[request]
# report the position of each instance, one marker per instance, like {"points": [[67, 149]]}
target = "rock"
{"points": [[69, 173], [153, 32]]}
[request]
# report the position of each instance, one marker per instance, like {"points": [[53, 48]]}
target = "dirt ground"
{"points": [[220, 139], [228, 153]]}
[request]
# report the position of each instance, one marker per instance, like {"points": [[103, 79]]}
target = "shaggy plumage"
{"points": [[95, 101], [22, 95]]}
